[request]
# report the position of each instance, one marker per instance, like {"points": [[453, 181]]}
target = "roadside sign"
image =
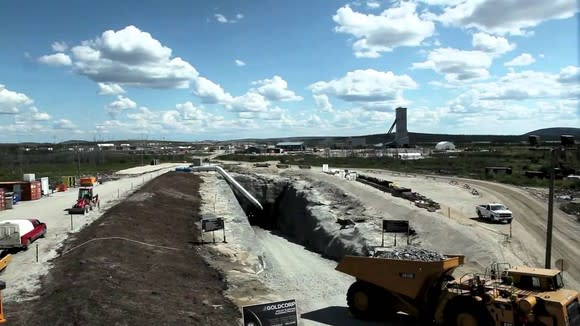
{"points": [[212, 224], [395, 226], [281, 313]]}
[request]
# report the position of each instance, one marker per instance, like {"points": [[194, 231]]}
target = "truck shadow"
{"points": [[340, 316], [486, 221]]}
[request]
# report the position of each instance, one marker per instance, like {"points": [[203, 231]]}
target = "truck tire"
{"points": [[479, 215], [367, 301], [466, 312]]}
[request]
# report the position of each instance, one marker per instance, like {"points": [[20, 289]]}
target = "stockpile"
{"points": [[406, 193], [410, 253]]}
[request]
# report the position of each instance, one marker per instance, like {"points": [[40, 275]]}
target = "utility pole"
{"points": [[554, 154], [78, 162]]}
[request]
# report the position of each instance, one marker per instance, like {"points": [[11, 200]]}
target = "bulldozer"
{"points": [[501, 296], [87, 200]]}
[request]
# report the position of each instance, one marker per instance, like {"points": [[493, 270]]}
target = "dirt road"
{"points": [[530, 228], [319, 290]]}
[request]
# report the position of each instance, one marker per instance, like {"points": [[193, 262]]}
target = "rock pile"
{"points": [[410, 253]]}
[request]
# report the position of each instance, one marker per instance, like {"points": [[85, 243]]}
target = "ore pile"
{"points": [[410, 253]]}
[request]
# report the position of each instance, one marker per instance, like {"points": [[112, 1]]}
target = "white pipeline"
{"points": [[230, 180]]}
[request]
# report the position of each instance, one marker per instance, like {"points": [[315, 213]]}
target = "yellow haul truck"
{"points": [[502, 296]]}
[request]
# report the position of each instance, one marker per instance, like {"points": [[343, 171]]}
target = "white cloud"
{"points": [[493, 44], [122, 103], [506, 17], [239, 63], [224, 20], [366, 86], [250, 101], [210, 92], [59, 46], [221, 18], [275, 89], [64, 124], [322, 102], [11, 102], [569, 74], [130, 57], [524, 59], [373, 4], [36, 115], [110, 89], [394, 27], [457, 65], [57, 59]]}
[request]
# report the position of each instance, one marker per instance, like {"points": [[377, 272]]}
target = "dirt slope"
{"points": [[121, 282]]}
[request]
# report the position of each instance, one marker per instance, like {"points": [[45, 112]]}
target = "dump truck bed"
{"points": [[410, 278]]}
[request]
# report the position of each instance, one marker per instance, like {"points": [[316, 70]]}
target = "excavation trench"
{"points": [[294, 210]]}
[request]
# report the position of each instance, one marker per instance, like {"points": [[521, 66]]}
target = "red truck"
{"points": [[19, 233]]}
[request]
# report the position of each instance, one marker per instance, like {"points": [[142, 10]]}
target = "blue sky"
{"points": [[195, 70]]}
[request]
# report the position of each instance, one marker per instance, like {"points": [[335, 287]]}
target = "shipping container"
{"points": [[31, 190], [2, 202]]}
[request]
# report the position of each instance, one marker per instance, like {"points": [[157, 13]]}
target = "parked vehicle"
{"points": [[503, 295], [87, 201], [19, 233], [494, 212]]}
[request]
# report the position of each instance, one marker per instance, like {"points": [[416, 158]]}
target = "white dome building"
{"points": [[444, 146]]}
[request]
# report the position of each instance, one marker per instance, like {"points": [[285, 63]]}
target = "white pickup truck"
{"points": [[494, 212]]}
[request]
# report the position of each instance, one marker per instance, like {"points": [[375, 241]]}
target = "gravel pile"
{"points": [[410, 253]]}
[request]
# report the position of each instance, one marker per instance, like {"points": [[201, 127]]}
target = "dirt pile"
{"points": [[137, 265]]}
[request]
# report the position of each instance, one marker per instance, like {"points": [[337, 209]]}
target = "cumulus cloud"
{"points": [[457, 65], [275, 89], [322, 102], [64, 124], [366, 86], [59, 46], [57, 59], [506, 17], [110, 89], [569, 74], [493, 44], [131, 57], [250, 101], [239, 63], [220, 18], [524, 59], [394, 27], [36, 115], [210, 92], [373, 4], [120, 104], [11, 102]]}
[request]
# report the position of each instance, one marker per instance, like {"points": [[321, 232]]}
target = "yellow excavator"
{"points": [[502, 296]]}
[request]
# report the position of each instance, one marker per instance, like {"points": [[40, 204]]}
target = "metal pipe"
{"points": [[554, 153], [230, 180]]}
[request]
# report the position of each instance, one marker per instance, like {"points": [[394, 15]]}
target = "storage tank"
{"points": [[445, 146]]}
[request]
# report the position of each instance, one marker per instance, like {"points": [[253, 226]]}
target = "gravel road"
{"points": [[319, 290]]}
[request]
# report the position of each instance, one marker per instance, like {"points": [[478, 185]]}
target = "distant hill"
{"points": [[555, 132], [423, 138]]}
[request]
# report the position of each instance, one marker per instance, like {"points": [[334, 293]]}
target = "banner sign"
{"points": [[282, 313], [395, 226], [212, 224]]}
